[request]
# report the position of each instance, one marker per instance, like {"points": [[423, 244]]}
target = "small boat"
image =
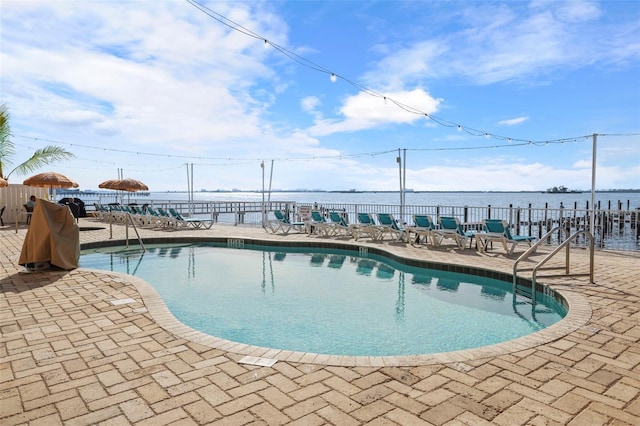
{"points": [[561, 190]]}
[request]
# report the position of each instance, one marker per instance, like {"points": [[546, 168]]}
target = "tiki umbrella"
{"points": [[3, 183], [107, 184], [130, 185], [50, 180]]}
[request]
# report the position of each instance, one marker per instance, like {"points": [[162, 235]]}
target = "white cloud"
{"points": [[496, 44], [363, 111], [169, 81], [512, 121]]}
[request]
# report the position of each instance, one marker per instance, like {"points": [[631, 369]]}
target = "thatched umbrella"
{"points": [[130, 185], [107, 184], [50, 180]]}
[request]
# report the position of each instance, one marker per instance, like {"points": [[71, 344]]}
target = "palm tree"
{"points": [[40, 157]]}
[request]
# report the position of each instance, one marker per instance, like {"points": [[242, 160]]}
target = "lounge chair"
{"points": [[423, 226], [450, 228], [366, 226], [388, 225], [283, 225], [155, 218], [498, 230], [339, 224], [101, 212], [318, 224], [166, 217], [194, 222]]}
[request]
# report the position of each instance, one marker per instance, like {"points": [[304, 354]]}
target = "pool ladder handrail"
{"points": [[566, 245], [135, 228]]}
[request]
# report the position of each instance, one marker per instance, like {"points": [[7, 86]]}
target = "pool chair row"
{"points": [[493, 230], [150, 217], [377, 227], [335, 223]]}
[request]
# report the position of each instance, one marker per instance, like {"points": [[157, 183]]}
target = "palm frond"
{"points": [[43, 156], [7, 150]]}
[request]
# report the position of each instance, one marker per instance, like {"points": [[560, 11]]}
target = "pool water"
{"points": [[328, 301]]}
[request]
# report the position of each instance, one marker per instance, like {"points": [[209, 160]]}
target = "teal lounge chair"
{"points": [[318, 224], [169, 220], [366, 226], [155, 218], [193, 222], [450, 228], [498, 230], [423, 226], [339, 224], [387, 225], [282, 224]]}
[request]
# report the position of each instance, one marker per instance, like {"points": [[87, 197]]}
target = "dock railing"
{"points": [[614, 229]]}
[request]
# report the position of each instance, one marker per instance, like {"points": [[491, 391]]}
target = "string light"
{"points": [[242, 161], [309, 64]]}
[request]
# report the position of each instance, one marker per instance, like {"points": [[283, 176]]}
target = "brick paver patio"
{"points": [[69, 356]]}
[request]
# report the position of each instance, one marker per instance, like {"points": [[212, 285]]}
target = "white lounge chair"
{"points": [[450, 228], [423, 226], [318, 224], [498, 230], [387, 225], [282, 224], [366, 226], [339, 224]]}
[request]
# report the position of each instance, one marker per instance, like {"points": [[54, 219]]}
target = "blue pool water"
{"points": [[327, 301]]}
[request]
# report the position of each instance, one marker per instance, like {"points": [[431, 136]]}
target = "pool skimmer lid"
{"points": [[122, 301], [254, 360]]}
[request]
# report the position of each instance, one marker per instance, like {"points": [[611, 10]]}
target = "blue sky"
{"points": [[478, 93]]}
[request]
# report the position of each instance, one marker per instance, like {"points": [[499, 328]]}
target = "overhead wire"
{"points": [[226, 161], [334, 76]]}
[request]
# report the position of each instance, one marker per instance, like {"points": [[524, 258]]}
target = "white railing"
{"points": [[614, 229]]}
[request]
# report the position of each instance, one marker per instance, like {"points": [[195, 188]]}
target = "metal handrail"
{"points": [[550, 255], [535, 246], [532, 249], [564, 244], [130, 217]]}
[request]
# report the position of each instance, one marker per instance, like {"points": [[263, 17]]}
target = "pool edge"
{"points": [[578, 314]]}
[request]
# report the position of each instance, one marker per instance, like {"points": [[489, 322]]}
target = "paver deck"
{"points": [[70, 356]]}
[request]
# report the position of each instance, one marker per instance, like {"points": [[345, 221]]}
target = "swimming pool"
{"points": [[328, 301]]}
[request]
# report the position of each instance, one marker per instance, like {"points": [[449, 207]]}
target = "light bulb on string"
{"points": [[459, 128], [486, 135], [266, 43], [333, 78]]}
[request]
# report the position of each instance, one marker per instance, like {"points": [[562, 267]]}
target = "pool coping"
{"points": [[578, 314]]}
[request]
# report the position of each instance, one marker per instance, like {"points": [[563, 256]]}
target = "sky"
{"points": [[340, 95]]}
